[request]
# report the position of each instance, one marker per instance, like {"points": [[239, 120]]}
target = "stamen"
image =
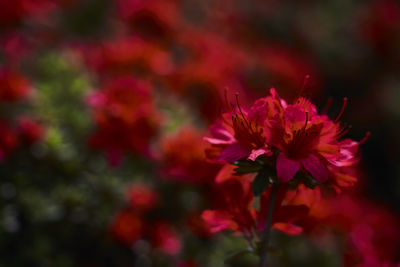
{"points": [[241, 112], [305, 81], [343, 131], [342, 110], [228, 105], [327, 105], [366, 137], [305, 125]]}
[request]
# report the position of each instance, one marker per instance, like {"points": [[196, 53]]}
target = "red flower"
{"points": [[8, 140], [236, 212], [165, 238], [239, 134], [150, 19], [13, 86], [30, 130], [299, 138], [142, 197], [127, 227], [125, 117], [370, 231], [198, 226], [13, 12], [191, 166], [127, 55]]}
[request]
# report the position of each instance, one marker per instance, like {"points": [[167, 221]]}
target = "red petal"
{"points": [[258, 152], [316, 168], [218, 220], [286, 168], [288, 228], [232, 153]]}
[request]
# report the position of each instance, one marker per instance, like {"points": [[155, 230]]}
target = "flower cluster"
{"points": [[236, 212], [293, 138], [190, 167], [16, 130], [136, 222], [125, 117]]}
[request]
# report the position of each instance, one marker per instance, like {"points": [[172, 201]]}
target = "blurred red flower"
{"points": [[190, 166], [30, 130], [126, 227], [13, 12], [126, 55], [235, 212], [13, 85], [198, 226], [165, 238], [370, 230], [150, 19], [8, 140], [125, 116], [142, 198]]}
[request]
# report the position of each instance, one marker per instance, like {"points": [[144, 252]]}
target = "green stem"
{"points": [[267, 230]]}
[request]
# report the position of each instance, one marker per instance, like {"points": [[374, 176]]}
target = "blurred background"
{"points": [[103, 106]]}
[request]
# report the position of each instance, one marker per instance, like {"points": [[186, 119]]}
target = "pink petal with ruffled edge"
{"points": [[233, 152], [316, 168], [255, 153], [286, 168], [220, 135]]}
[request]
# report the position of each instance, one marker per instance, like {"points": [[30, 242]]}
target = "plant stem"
{"points": [[267, 229]]}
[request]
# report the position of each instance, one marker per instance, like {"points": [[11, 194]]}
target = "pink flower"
{"points": [[239, 133], [165, 238], [292, 137], [308, 142]]}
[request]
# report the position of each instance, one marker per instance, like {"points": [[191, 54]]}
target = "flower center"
{"points": [[303, 140]]}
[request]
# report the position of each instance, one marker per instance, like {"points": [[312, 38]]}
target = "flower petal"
{"points": [[288, 228], [286, 168], [258, 152], [218, 220], [220, 135], [316, 168], [225, 173], [232, 153]]}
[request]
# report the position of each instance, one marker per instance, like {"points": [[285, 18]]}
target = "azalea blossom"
{"points": [[125, 116], [292, 137], [13, 85], [359, 223], [190, 167], [236, 213], [142, 197]]}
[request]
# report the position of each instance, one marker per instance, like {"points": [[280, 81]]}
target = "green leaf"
{"points": [[247, 166], [260, 183], [243, 169], [309, 181]]}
